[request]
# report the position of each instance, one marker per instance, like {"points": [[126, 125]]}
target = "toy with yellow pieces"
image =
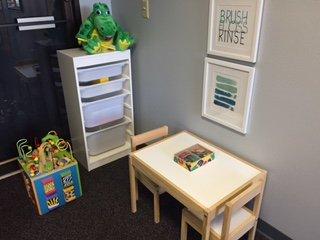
{"points": [[53, 153]]}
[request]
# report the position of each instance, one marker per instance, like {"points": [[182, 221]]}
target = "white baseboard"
{"points": [[10, 173]]}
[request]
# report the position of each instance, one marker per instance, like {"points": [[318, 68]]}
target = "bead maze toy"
{"points": [[50, 172]]}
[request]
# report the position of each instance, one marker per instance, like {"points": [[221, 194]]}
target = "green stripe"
{"points": [[225, 100], [227, 88], [226, 94], [224, 80]]}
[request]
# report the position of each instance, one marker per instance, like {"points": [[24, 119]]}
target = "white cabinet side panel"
{"points": [[72, 100]]}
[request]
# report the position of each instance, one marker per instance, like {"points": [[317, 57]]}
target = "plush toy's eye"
{"points": [[108, 12], [98, 12]]}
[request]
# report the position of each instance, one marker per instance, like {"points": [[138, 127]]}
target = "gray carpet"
{"points": [[103, 212]]}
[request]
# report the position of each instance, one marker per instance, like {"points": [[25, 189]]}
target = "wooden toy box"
{"points": [[54, 189]]}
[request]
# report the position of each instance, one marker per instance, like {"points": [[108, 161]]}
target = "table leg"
{"points": [[156, 207], [256, 208], [252, 232], [133, 186], [206, 228], [184, 227]]}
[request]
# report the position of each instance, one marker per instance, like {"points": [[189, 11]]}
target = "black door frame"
{"points": [[73, 18], [77, 13]]}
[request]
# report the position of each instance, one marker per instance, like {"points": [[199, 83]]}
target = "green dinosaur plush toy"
{"points": [[101, 33]]}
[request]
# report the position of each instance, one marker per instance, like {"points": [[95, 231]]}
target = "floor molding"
{"points": [[8, 161], [270, 232], [9, 168], [9, 174]]}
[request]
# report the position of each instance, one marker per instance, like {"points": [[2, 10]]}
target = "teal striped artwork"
{"points": [[225, 93]]}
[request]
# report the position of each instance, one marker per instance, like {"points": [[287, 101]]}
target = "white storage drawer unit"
{"points": [[103, 111], [93, 73], [107, 139], [100, 115], [96, 90]]}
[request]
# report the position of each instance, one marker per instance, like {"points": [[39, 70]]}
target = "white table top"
{"points": [[208, 184]]}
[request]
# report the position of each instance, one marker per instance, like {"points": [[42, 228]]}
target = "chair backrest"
{"points": [[148, 137], [252, 192]]}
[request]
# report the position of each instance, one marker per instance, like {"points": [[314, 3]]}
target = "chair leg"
{"points": [[156, 207], [252, 232], [137, 190], [184, 228], [133, 190]]}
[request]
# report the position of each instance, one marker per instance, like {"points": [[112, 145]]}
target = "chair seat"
{"points": [[237, 219]]}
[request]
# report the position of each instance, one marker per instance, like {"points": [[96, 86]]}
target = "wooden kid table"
{"points": [[204, 190]]}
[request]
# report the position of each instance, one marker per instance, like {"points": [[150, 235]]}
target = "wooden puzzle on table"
{"points": [[194, 157]]}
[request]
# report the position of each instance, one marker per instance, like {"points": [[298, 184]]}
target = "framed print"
{"points": [[234, 28], [227, 93], [14, 5]]}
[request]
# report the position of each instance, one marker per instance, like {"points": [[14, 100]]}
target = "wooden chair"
{"points": [[234, 222], [143, 139]]}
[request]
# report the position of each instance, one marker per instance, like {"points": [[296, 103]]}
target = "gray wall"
{"points": [[284, 131], [86, 6]]}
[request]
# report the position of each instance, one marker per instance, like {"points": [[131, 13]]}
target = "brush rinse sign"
{"points": [[233, 26]]}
